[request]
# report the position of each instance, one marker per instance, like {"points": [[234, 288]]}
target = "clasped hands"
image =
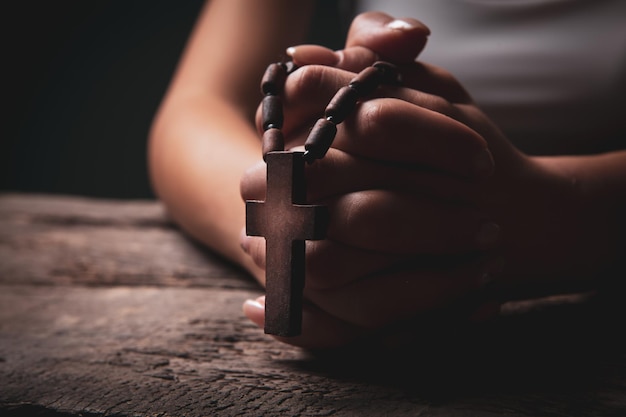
{"points": [[429, 202]]}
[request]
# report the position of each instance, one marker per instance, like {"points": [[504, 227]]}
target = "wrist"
{"points": [[599, 182], [563, 225]]}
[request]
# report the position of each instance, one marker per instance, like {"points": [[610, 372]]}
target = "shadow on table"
{"points": [[550, 352]]}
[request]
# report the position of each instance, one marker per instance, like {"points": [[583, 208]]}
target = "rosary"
{"points": [[284, 219]]}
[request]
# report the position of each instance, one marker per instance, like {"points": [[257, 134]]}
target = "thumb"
{"points": [[395, 40]]}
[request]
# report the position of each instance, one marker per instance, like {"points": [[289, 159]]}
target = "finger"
{"points": [[434, 80], [253, 183], [397, 222], [396, 131], [419, 76], [254, 246], [319, 329], [352, 59], [444, 142], [328, 264], [389, 297], [372, 36], [395, 40], [309, 89], [402, 223], [400, 41], [342, 173], [302, 55]]}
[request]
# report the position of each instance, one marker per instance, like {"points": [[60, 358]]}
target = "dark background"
{"points": [[82, 81]]}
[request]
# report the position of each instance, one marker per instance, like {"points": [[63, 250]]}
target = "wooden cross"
{"points": [[286, 222]]}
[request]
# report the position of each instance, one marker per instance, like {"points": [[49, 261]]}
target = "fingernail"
{"points": [[253, 305], [255, 311], [399, 24], [488, 234], [312, 54], [483, 163]]}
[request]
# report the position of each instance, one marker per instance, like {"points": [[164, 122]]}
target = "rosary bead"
{"points": [[272, 111], [289, 67], [320, 138], [273, 79], [273, 140], [286, 189], [341, 104], [390, 73], [366, 81]]}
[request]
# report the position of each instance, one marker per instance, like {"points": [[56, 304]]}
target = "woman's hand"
{"points": [[560, 215], [420, 218], [401, 239]]}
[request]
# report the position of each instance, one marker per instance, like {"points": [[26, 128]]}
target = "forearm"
{"points": [[199, 149], [567, 229], [203, 139]]}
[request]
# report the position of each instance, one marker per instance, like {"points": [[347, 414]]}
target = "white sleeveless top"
{"points": [[550, 73]]}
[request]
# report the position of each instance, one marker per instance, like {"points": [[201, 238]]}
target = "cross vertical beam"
{"points": [[285, 221]]}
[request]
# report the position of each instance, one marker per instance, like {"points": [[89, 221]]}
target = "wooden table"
{"points": [[107, 309]]}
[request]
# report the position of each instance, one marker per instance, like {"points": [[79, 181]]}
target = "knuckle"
{"points": [[376, 115], [440, 105], [307, 80]]}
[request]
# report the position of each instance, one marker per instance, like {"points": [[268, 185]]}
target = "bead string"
{"points": [[340, 106]]}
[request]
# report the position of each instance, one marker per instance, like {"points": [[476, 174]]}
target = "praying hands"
{"points": [[429, 201], [432, 209]]}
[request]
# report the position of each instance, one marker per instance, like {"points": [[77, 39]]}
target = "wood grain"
{"points": [[107, 310], [70, 240]]}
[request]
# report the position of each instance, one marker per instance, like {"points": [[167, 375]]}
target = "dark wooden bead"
{"points": [[273, 79], [272, 110], [366, 81], [341, 104], [290, 67], [319, 140], [390, 73], [273, 141]]}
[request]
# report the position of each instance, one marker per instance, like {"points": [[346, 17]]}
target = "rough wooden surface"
{"points": [[107, 310]]}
